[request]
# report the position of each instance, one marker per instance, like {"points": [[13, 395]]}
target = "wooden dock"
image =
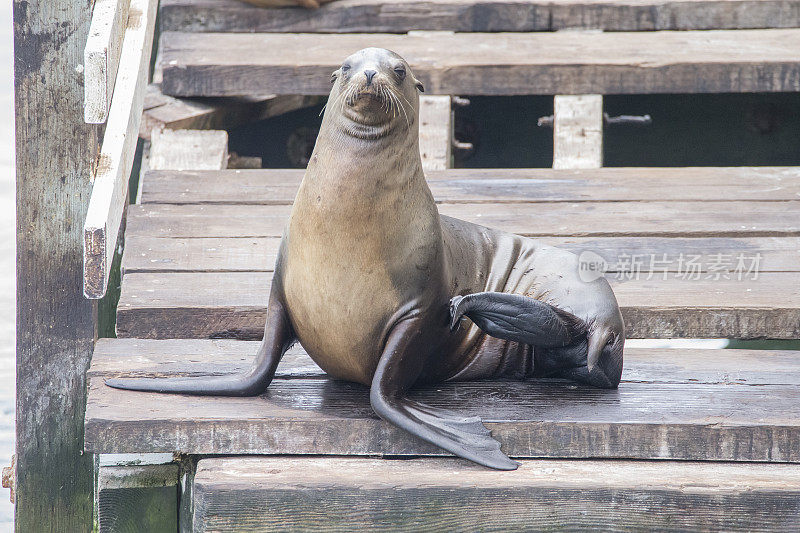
{"points": [[692, 440]]}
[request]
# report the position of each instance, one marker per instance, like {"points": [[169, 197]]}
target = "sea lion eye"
{"points": [[401, 72], [345, 68]]}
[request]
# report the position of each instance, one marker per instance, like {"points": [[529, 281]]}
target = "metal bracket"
{"points": [[637, 120]]}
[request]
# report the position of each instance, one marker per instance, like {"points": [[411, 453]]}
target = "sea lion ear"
{"points": [[419, 86]]}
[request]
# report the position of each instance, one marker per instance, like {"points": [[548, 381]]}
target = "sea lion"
{"points": [[374, 283]]}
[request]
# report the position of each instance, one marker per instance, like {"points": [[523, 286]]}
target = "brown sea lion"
{"points": [[374, 283]]}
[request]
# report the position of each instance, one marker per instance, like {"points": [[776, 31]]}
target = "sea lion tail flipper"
{"points": [[400, 366], [518, 318], [278, 337]]}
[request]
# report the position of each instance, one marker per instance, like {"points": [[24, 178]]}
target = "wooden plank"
{"points": [[435, 132], [339, 494], [231, 64], [137, 498], [537, 418], [189, 149], [110, 190], [581, 219], [258, 254], [101, 57], [279, 186], [472, 16], [55, 324], [578, 131], [166, 112], [196, 357], [233, 305]]}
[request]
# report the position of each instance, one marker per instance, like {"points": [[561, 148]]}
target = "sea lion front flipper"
{"points": [[278, 336], [403, 360], [518, 318]]}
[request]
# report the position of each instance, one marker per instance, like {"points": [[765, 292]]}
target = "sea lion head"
{"points": [[375, 89]]}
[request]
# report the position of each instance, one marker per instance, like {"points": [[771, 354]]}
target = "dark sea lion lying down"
{"points": [[374, 283]]}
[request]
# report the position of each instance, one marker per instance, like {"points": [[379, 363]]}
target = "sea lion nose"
{"points": [[369, 74]]}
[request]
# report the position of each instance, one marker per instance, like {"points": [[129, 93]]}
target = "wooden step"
{"points": [[474, 185], [149, 254], [733, 405], [231, 64], [233, 305], [345, 16], [656, 218], [347, 494], [201, 248]]}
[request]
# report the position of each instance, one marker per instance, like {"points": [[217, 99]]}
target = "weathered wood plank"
{"points": [[101, 57], [664, 219], [111, 176], [279, 186], [232, 64], [435, 132], [55, 324], [195, 357], [654, 254], [472, 16], [578, 131], [167, 112], [189, 149], [345, 494], [538, 418], [137, 498], [233, 305]]}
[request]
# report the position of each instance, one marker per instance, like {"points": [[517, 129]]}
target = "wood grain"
{"points": [[435, 132], [188, 149], [346, 494], [578, 131], [55, 324], [233, 305], [101, 57], [538, 418], [232, 64], [115, 161], [485, 16], [166, 112], [279, 186], [195, 357], [664, 219], [258, 254]]}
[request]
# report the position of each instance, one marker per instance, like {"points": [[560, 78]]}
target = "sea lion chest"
{"points": [[358, 255]]}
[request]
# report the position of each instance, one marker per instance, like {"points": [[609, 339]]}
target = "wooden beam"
{"points": [[662, 408], [189, 149], [578, 131], [166, 112], [334, 494], [232, 64], [233, 305], [197, 357], [55, 324], [258, 254], [474, 185], [477, 16], [101, 57], [137, 498], [113, 169], [581, 219], [435, 132]]}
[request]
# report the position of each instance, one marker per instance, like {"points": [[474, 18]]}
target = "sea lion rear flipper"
{"points": [[278, 336], [518, 318], [402, 362]]}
